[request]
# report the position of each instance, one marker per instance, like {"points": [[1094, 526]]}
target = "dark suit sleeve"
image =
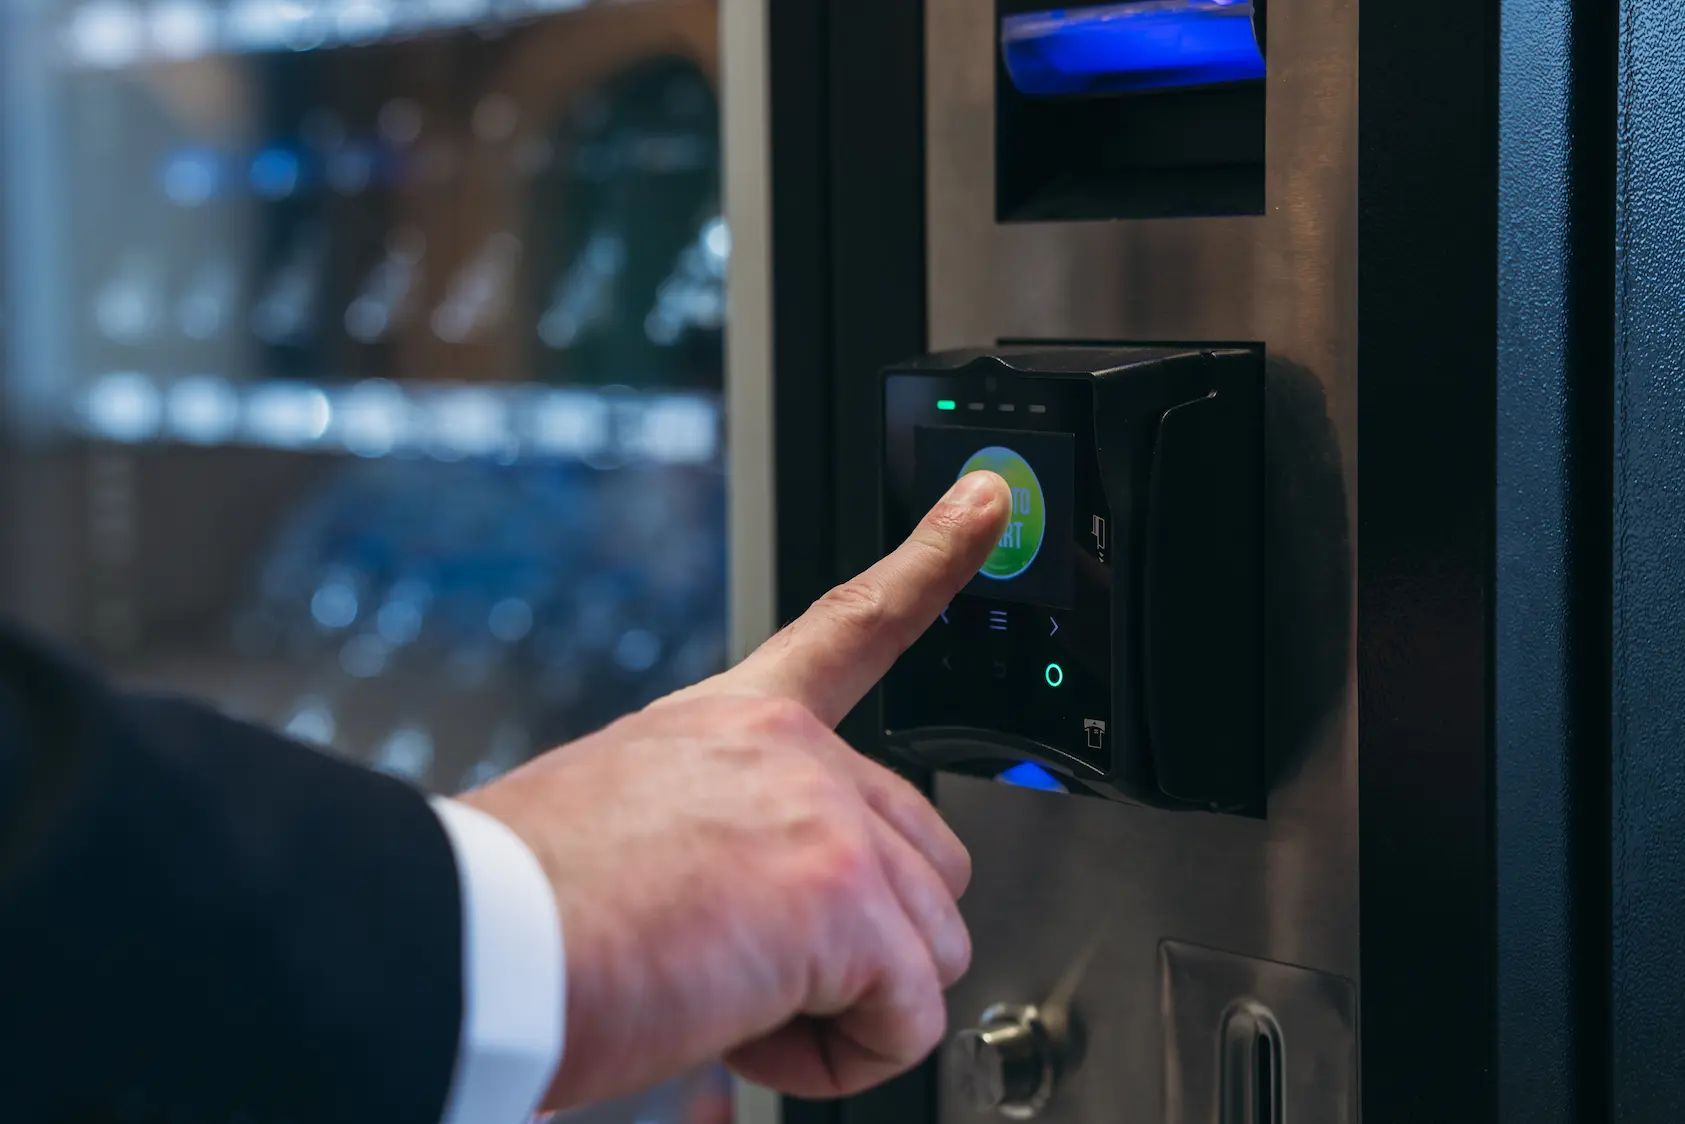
{"points": [[200, 921]]}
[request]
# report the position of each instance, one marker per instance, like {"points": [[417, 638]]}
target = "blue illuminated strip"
{"points": [[1027, 775], [1150, 44]]}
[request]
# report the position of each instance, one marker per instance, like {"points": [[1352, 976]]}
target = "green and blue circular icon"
{"points": [[1019, 546]]}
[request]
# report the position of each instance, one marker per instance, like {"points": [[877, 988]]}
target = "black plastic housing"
{"points": [[1167, 613]]}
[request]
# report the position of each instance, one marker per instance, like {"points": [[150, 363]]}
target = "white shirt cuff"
{"points": [[514, 1001]]}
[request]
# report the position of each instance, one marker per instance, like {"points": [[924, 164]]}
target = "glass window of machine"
{"points": [[374, 350]]}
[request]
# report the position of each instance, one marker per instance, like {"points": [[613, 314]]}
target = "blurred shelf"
{"points": [[389, 725], [119, 34], [376, 418]]}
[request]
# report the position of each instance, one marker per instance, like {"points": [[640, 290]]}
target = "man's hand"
{"points": [[734, 879]]}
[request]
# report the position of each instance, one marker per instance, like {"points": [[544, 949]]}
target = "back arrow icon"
{"points": [[1055, 625]]}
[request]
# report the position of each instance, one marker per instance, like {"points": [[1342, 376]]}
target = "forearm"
{"points": [[197, 916]]}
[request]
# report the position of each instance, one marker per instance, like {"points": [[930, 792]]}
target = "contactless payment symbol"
{"points": [[1021, 543]]}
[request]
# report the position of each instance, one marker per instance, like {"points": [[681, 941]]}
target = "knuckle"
{"points": [[780, 718], [956, 954], [858, 606], [946, 519], [962, 870], [926, 1022], [894, 797], [846, 873], [888, 800], [889, 792]]}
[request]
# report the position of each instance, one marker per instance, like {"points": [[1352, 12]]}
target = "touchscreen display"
{"points": [[1032, 562], [1025, 650]]}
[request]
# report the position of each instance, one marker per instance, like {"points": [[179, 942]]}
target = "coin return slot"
{"points": [[1252, 1066], [1264, 1088]]}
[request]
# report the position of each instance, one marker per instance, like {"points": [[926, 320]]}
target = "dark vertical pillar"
{"points": [[1648, 658], [848, 297], [798, 45], [1552, 610], [1427, 327]]}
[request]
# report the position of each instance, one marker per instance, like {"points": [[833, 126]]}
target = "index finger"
{"points": [[832, 655]]}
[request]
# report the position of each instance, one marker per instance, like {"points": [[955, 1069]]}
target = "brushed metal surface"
{"points": [[1309, 1019], [1051, 870]]}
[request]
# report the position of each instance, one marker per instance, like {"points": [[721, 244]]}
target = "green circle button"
{"points": [[1021, 543]]}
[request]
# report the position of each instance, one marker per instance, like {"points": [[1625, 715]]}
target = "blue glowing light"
{"points": [[275, 173], [191, 177], [1143, 45], [1026, 775]]}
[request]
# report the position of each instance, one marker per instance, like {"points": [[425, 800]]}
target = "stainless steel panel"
{"points": [[1309, 1019], [1050, 870]]}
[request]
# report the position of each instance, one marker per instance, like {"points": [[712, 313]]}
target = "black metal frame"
{"points": [[848, 274], [1427, 354], [848, 269], [1487, 328]]}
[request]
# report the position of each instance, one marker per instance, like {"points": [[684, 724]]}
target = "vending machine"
{"points": [[364, 366], [369, 370], [1307, 725]]}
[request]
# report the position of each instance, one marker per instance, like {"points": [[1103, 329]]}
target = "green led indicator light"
{"points": [[946, 404], [1055, 675]]}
